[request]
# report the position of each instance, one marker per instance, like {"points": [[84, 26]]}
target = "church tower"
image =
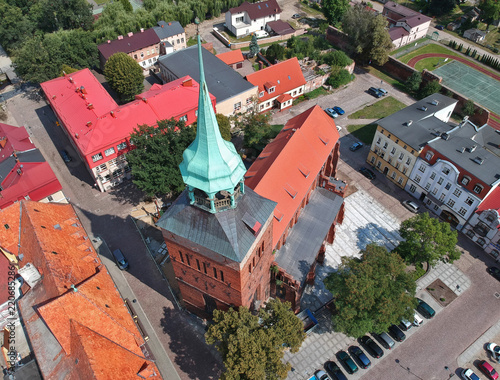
{"points": [[218, 233]]}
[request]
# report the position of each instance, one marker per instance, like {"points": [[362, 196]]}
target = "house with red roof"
{"points": [[278, 84], [232, 58], [251, 17], [100, 130], [24, 173], [405, 25], [143, 47], [74, 317], [297, 171]]}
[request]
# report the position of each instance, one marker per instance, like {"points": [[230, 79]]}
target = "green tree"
{"points": [[53, 15], [254, 46], [371, 293], [275, 52], [224, 126], [252, 346], [468, 108], [15, 27], [127, 6], [124, 75], [334, 10], [430, 88], [441, 7], [338, 78], [157, 155], [413, 82], [427, 239], [336, 58], [256, 129], [490, 11]]}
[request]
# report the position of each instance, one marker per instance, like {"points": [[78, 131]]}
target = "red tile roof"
{"points": [[492, 202], [280, 27], [288, 166], [9, 228], [95, 122], [130, 44], [4, 279], [231, 57], [285, 76], [258, 10]]}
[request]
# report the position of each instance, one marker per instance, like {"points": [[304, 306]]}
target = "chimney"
{"points": [[130, 34], [187, 83], [20, 170], [169, 23], [162, 25], [71, 79], [142, 30], [76, 135], [84, 91], [109, 41], [120, 37], [89, 123], [53, 97], [112, 113], [144, 100], [90, 106]]}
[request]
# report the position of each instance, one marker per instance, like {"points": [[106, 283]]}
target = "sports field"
{"points": [[471, 83]]}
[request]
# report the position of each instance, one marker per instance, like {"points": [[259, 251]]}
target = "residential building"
{"points": [[143, 47], [297, 170], [251, 17], [100, 130], [74, 317], [400, 137], [24, 173], [172, 36], [233, 93], [475, 35], [279, 27], [278, 85], [232, 58], [405, 25]]}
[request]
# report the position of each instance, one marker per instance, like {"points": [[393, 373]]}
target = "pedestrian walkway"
{"points": [[452, 277], [478, 346]]}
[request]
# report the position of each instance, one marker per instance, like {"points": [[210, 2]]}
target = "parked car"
{"points": [[468, 374], [339, 128], [396, 333], [405, 325], [417, 321], [296, 16], [488, 370], [375, 92], [371, 347], [382, 91], [412, 206], [357, 145], [321, 375], [439, 27], [331, 112], [65, 156], [339, 110], [346, 360], [334, 371], [495, 272], [385, 340], [367, 173], [494, 349], [358, 353], [424, 309], [121, 261]]}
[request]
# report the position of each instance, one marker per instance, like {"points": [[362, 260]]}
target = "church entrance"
{"points": [[210, 304]]}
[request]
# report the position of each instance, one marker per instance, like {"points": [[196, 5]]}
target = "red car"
{"points": [[488, 370]]}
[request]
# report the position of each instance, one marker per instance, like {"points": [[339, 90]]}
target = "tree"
{"points": [[252, 346], [157, 155], [53, 15], [334, 10], [256, 128], [427, 239], [275, 52], [441, 7], [124, 75], [254, 46], [468, 108], [336, 58], [338, 78], [224, 126], [127, 6], [490, 11], [371, 293], [368, 35], [413, 82], [15, 27], [430, 88]]}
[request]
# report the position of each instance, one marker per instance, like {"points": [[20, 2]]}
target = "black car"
{"points": [[357, 353], [396, 333], [346, 360], [367, 173], [495, 272], [296, 16], [334, 371], [357, 145], [375, 92], [439, 27], [65, 156], [371, 347]]}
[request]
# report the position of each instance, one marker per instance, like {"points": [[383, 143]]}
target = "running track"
{"points": [[414, 60]]}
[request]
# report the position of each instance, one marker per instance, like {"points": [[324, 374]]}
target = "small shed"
{"points": [[475, 35]]}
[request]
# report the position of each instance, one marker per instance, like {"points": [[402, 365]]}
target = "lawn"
{"points": [[429, 63], [362, 132], [378, 110], [385, 77], [431, 48]]}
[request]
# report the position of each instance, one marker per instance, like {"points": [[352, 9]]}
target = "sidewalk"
{"points": [[478, 346]]}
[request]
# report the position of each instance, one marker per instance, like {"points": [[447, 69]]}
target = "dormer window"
{"points": [[465, 180], [271, 89], [428, 156], [261, 94], [478, 189], [446, 170]]}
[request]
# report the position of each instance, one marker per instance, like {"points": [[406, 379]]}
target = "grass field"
{"points": [[383, 76], [428, 63], [431, 48], [362, 132], [378, 110]]}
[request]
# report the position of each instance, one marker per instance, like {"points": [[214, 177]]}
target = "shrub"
{"points": [[338, 78]]}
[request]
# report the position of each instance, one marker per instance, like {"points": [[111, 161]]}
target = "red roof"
{"points": [[287, 168], [95, 122], [9, 228], [4, 280], [258, 10], [231, 57], [492, 202], [128, 44], [285, 76]]}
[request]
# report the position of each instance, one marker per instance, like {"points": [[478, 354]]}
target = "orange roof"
{"points": [[285, 76], [284, 98], [9, 227], [231, 57], [288, 166]]}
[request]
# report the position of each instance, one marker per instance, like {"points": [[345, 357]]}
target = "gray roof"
{"points": [[9, 163], [303, 244], [224, 232], [168, 29], [486, 141], [416, 127], [222, 81]]}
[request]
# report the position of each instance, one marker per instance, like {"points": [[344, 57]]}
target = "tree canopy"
{"points": [[427, 239], [338, 78], [157, 155], [334, 10], [430, 88], [224, 126], [413, 82], [254, 46], [275, 52], [252, 347], [468, 108], [257, 130], [371, 293], [124, 75], [441, 7], [490, 11], [367, 33]]}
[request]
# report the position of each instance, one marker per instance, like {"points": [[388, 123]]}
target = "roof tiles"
{"points": [[258, 10]]}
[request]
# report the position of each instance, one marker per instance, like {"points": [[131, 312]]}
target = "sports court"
{"points": [[467, 81]]}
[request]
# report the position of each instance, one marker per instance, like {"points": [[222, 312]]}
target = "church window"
{"points": [[205, 268], [181, 256], [198, 264], [222, 276], [215, 272]]}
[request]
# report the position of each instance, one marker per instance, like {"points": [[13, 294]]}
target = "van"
{"points": [[386, 340], [261, 34], [424, 309], [121, 261], [417, 321]]}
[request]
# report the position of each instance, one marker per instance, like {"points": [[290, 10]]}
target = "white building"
{"points": [[405, 25], [483, 228], [249, 18]]}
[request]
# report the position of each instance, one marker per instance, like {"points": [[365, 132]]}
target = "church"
{"points": [[237, 237]]}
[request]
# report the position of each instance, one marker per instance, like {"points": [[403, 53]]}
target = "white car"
{"points": [[412, 206], [468, 374], [417, 321], [494, 349]]}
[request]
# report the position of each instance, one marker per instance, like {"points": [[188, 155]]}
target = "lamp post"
{"points": [[450, 375]]}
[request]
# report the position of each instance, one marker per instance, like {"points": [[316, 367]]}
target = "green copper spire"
{"points": [[210, 163]]}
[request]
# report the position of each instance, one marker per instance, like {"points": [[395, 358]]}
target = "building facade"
{"points": [[405, 25], [483, 228], [172, 36], [251, 17]]}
